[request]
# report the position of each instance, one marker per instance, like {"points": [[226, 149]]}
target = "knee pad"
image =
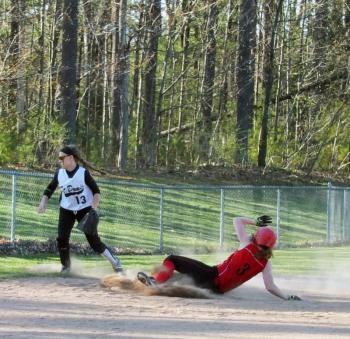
{"points": [[165, 272], [169, 264]]}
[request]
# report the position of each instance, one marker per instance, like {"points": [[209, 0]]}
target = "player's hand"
{"points": [[263, 220], [294, 297], [42, 206]]}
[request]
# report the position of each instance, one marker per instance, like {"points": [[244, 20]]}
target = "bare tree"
{"points": [[268, 79], [114, 111], [55, 30], [245, 77], [347, 16], [187, 6], [19, 92], [206, 99], [124, 82], [149, 129], [321, 34], [138, 83], [68, 67]]}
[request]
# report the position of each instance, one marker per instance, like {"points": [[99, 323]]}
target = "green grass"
{"points": [[312, 260], [285, 262]]}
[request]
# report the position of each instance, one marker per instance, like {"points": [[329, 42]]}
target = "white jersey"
{"points": [[75, 195]]}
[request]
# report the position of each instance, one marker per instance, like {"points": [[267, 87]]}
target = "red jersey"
{"points": [[239, 267]]}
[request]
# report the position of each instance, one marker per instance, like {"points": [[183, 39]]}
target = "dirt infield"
{"points": [[79, 307]]}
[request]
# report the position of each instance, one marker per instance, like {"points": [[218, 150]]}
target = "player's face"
{"points": [[66, 160], [264, 248], [266, 252]]}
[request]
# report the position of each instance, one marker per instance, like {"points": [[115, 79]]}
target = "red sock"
{"points": [[165, 274]]}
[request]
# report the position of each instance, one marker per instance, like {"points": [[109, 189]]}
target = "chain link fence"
{"points": [[164, 218]]}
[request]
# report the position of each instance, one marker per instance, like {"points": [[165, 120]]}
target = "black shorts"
{"points": [[66, 222]]}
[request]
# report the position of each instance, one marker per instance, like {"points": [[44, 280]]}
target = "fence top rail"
{"points": [[116, 182], [207, 187], [25, 174]]}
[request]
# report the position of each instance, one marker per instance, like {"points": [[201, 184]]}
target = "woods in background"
{"points": [[176, 83]]}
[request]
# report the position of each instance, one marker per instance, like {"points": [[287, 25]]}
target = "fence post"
{"points": [[222, 216], [329, 212], [345, 221], [278, 215], [161, 226], [13, 214]]}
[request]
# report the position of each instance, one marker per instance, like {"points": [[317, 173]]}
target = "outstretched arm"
{"points": [[239, 223], [270, 284], [272, 287], [47, 193]]}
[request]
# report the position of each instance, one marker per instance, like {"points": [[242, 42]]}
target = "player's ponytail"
{"points": [[72, 150]]}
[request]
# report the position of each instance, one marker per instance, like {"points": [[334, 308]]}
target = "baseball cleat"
{"points": [[118, 269], [65, 270], [146, 280]]}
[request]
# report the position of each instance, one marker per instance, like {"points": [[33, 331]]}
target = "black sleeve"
{"points": [[91, 183], [51, 187]]}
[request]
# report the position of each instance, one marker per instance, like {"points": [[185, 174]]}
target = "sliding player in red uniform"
{"points": [[243, 264]]}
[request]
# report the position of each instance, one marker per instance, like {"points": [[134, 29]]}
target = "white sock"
{"points": [[113, 260]]}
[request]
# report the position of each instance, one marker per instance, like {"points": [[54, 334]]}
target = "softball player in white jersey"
{"points": [[79, 194]]}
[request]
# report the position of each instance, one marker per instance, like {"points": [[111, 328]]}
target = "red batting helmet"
{"points": [[265, 236]]}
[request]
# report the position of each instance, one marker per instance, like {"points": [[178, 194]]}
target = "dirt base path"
{"points": [[76, 307]]}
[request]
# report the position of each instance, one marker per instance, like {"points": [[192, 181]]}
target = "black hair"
{"points": [[71, 150]]}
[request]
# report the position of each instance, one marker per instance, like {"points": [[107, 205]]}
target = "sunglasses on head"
{"points": [[62, 157]]}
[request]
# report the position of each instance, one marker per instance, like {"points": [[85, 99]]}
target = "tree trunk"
{"points": [[86, 111], [114, 112], [137, 64], [281, 47], [225, 66], [124, 75], [68, 68], [168, 52], [54, 75], [185, 42], [321, 27], [42, 57], [136, 104], [225, 71], [105, 112], [245, 77], [169, 160], [347, 17], [206, 100], [149, 128], [18, 87], [268, 75], [107, 30]]}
